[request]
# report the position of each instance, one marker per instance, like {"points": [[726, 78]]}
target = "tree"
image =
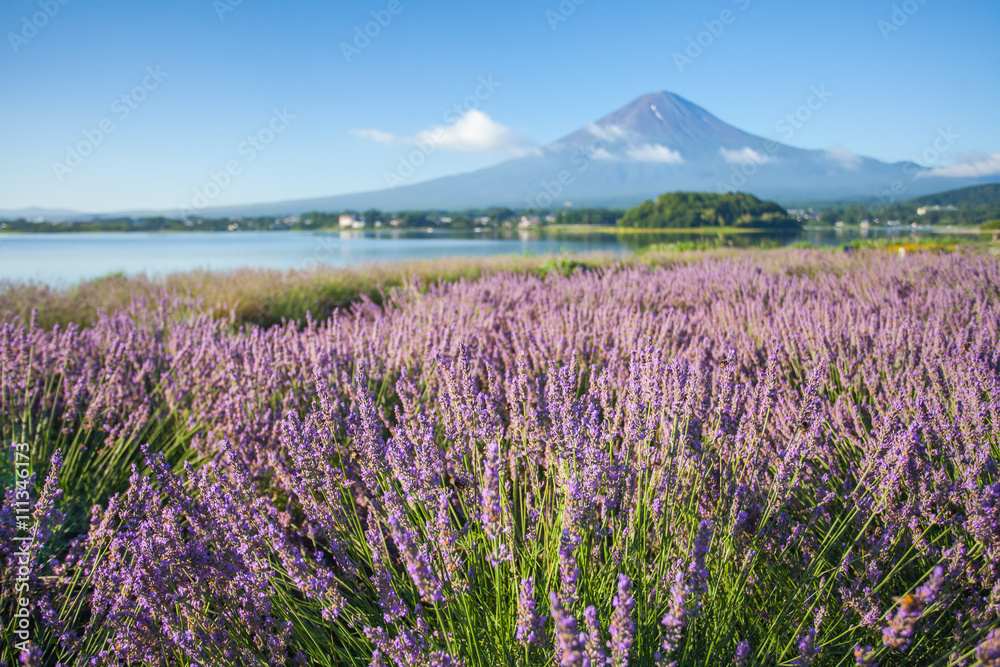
{"points": [[701, 209]]}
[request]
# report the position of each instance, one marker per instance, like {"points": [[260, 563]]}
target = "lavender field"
{"points": [[781, 458]]}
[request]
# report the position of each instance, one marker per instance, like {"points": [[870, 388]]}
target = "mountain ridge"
{"points": [[647, 116], [987, 193], [659, 142]]}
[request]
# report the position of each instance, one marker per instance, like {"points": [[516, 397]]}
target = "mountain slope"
{"points": [[33, 212], [659, 142], [976, 195], [669, 120]]}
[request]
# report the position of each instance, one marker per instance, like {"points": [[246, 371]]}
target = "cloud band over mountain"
{"points": [[473, 132]]}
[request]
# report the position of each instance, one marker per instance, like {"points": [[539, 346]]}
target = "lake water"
{"points": [[64, 258]]}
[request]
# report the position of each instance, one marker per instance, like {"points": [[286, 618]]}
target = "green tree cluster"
{"points": [[703, 209], [588, 216], [965, 207]]}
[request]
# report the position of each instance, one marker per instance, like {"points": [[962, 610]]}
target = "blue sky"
{"points": [[201, 76]]}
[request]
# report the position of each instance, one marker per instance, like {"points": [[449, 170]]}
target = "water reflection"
{"points": [[635, 241], [63, 258]]}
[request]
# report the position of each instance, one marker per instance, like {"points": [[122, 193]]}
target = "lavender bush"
{"points": [[771, 459]]}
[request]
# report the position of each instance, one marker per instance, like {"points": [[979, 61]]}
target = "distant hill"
{"points": [[701, 209], [976, 195], [36, 213], [964, 207]]}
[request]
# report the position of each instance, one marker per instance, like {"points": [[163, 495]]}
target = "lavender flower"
{"points": [[389, 601], [445, 538], [31, 657], [569, 572], [808, 651], [988, 651], [442, 659], [406, 648], [675, 620], [697, 576], [899, 632], [622, 624], [492, 510], [530, 626], [417, 564], [570, 644], [742, 654], [864, 656], [595, 645]]}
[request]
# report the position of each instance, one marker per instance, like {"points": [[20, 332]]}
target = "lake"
{"points": [[61, 259]]}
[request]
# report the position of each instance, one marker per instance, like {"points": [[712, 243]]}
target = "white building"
{"points": [[924, 209]]}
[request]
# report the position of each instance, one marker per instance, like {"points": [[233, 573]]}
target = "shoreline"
{"points": [[593, 229], [610, 229], [269, 296]]}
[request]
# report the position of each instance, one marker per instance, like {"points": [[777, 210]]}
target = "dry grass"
{"points": [[268, 296], [264, 296]]}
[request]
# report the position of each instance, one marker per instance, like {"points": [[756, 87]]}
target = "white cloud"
{"points": [[377, 135], [602, 154], [745, 155], [845, 158], [970, 166], [473, 132], [606, 132], [655, 153]]}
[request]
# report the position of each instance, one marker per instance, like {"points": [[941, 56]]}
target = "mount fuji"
{"points": [[659, 142]]}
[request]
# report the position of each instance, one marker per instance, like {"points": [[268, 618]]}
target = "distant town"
{"points": [[371, 219], [967, 207]]}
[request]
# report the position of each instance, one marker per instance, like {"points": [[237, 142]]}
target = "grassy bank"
{"points": [[264, 296], [267, 296]]}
